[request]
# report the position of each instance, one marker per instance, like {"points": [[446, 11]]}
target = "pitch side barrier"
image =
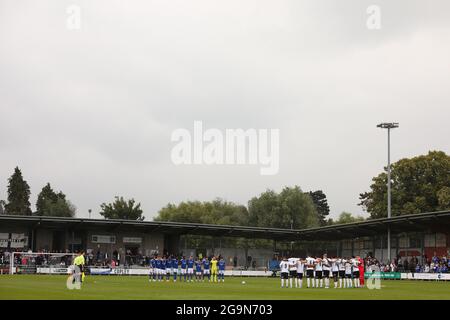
{"points": [[146, 271], [235, 273], [407, 276]]}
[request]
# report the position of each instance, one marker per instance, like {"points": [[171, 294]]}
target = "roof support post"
{"points": [[374, 245], [389, 244], [422, 245], [396, 247], [31, 242]]}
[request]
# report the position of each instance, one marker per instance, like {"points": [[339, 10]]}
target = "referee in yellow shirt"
{"points": [[214, 269], [79, 262]]}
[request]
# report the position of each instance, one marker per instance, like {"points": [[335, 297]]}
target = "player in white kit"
{"points": [[335, 271], [348, 273], [319, 273], [341, 267], [284, 268], [326, 266], [300, 271], [293, 271], [310, 262], [355, 263]]}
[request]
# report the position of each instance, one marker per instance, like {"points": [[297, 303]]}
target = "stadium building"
{"points": [[419, 235]]}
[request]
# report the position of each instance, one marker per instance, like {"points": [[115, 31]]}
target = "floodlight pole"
{"points": [[389, 195], [388, 126]]}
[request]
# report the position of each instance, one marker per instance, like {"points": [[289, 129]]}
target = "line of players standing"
{"points": [[344, 272], [171, 266]]}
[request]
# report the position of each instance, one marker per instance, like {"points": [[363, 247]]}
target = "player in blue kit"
{"points": [[222, 269], [183, 268], [175, 268], [198, 270], [190, 269], [206, 270], [158, 268], [168, 267], [152, 269], [163, 269]]}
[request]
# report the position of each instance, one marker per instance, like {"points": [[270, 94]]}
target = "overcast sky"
{"points": [[92, 110]]}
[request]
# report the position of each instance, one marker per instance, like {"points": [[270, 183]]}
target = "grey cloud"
{"points": [[92, 110]]}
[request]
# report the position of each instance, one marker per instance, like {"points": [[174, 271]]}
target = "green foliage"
{"points": [[53, 204], [59, 208], [122, 209], [419, 184], [290, 208], [320, 202], [45, 197], [347, 217], [213, 212], [18, 195], [443, 196]]}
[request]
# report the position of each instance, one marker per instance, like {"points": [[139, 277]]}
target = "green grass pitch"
{"points": [[138, 287]]}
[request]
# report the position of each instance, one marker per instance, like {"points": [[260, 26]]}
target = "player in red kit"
{"points": [[361, 271]]}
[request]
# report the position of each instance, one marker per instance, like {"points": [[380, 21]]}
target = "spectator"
{"points": [[418, 269], [249, 261], [435, 258]]}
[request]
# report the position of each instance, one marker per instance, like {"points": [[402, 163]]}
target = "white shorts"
{"points": [[199, 273], [190, 271], [221, 272], [183, 271], [169, 270], [206, 271]]}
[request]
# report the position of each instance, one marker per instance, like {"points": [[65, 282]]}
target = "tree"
{"points": [[59, 208], [443, 196], [53, 204], [217, 211], [122, 209], [347, 217], [18, 195], [289, 209], [46, 196], [419, 184], [320, 202]]}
